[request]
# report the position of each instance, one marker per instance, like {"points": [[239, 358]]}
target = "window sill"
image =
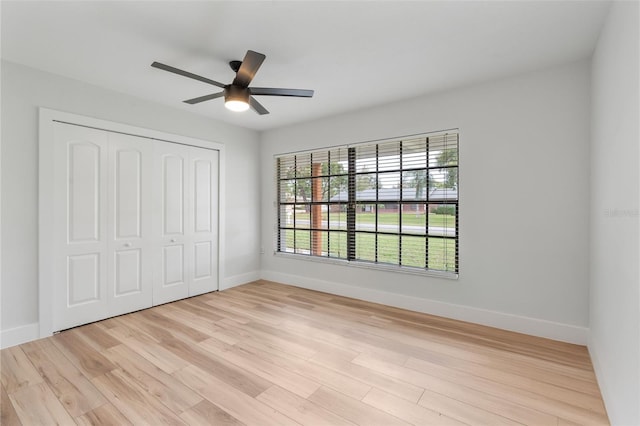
{"points": [[366, 265]]}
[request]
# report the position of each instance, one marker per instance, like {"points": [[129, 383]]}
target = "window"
{"points": [[386, 203]]}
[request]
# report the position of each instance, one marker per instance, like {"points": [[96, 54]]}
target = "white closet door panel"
{"points": [[80, 234], [202, 171], [83, 191], [204, 224], [203, 261], [127, 277], [83, 279], [172, 199], [173, 260], [128, 192], [129, 223], [173, 193]]}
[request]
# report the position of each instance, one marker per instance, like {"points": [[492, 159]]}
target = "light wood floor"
{"points": [[270, 354]]}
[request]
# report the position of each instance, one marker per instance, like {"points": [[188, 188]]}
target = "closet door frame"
{"points": [[46, 228]]}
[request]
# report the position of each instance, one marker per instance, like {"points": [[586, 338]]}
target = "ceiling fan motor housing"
{"points": [[236, 93]]}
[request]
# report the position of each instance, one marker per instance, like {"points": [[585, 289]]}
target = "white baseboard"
{"points": [[531, 326], [18, 335], [237, 280]]}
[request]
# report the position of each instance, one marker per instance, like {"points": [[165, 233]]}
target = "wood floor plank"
{"points": [[316, 372], [207, 413], [171, 392], [73, 390], [37, 405], [283, 343], [249, 312], [283, 333], [16, 370], [119, 329], [407, 411], [509, 393], [569, 396], [400, 388], [461, 411], [132, 401], [8, 415], [353, 410], [105, 415], [273, 373], [557, 402], [564, 422], [457, 347], [229, 373], [340, 333], [300, 409], [97, 337], [233, 401], [197, 307], [156, 354], [491, 403], [274, 298], [190, 319], [152, 322], [465, 357], [87, 359]]}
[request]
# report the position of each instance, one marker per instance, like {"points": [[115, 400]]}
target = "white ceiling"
{"points": [[354, 54]]}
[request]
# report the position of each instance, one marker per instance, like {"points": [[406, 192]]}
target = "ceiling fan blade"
{"points": [[272, 91], [257, 106], [186, 74], [250, 64], [204, 98]]}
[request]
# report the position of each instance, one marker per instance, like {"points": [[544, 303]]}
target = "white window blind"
{"points": [[391, 203]]}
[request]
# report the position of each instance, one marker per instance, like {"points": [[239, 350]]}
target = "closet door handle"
{"points": [[127, 244], [173, 240]]}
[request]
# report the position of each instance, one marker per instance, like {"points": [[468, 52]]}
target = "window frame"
{"points": [[351, 204]]}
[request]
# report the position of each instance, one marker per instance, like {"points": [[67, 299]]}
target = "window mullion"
{"points": [[328, 203], [428, 208], [400, 207], [279, 195], [456, 239], [351, 204], [295, 200], [377, 199]]}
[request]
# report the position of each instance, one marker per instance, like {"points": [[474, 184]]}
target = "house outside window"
{"points": [[388, 203]]}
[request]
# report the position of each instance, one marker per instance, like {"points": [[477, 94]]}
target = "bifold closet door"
{"points": [[185, 221], [204, 224], [102, 237], [171, 201], [136, 223], [80, 234], [129, 220]]}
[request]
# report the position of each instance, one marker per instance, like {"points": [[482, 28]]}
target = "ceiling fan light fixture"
{"points": [[237, 106], [236, 98]]}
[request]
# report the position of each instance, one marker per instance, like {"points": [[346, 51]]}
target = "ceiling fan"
{"points": [[238, 96]]}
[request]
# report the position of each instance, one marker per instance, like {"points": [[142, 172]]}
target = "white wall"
{"points": [[614, 318], [23, 91], [524, 202]]}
